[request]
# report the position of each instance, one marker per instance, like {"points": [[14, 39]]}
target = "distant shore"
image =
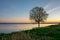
{"points": [[34, 23]]}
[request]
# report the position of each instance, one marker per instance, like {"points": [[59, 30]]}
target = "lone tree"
{"points": [[38, 15]]}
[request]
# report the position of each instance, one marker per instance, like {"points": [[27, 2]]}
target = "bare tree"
{"points": [[38, 15]]}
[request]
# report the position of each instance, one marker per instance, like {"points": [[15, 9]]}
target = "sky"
{"points": [[19, 10]]}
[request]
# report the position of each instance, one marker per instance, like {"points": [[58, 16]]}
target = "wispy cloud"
{"points": [[53, 9], [48, 5]]}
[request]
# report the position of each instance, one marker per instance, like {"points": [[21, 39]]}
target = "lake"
{"points": [[7, 28]]}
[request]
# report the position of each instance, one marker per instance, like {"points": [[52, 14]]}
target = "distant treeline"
{"points": [[34, 23]]}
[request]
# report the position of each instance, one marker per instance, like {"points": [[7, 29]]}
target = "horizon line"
{"points": [[34, 23]]}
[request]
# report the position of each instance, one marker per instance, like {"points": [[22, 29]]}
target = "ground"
{"points": [[44, 33]]}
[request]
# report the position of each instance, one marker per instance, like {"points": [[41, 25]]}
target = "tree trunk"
{"points": [[38, 24]]}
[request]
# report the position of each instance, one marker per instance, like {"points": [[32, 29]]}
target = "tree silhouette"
{"points": [[38, 15]]}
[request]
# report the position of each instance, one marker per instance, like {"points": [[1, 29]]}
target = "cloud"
{"points": [[48, 5], [53, 9]]}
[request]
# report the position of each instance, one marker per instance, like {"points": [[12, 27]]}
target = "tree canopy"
{"points": [[38, 14]]}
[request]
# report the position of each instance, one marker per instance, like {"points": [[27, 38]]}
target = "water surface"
{"points": [[7, 28]]}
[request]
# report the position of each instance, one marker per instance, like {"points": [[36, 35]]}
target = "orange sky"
{"points": [[25, 20]]}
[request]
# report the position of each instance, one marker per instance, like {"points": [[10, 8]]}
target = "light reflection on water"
{"points": [[6, 28]]}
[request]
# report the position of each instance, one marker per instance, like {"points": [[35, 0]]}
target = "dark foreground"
{"points": [[46, 33]]}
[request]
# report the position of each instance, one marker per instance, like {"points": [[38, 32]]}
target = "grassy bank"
{"points": [[45, 33]]}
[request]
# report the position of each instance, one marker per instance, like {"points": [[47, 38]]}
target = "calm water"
{"points": [[7, 28]]}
